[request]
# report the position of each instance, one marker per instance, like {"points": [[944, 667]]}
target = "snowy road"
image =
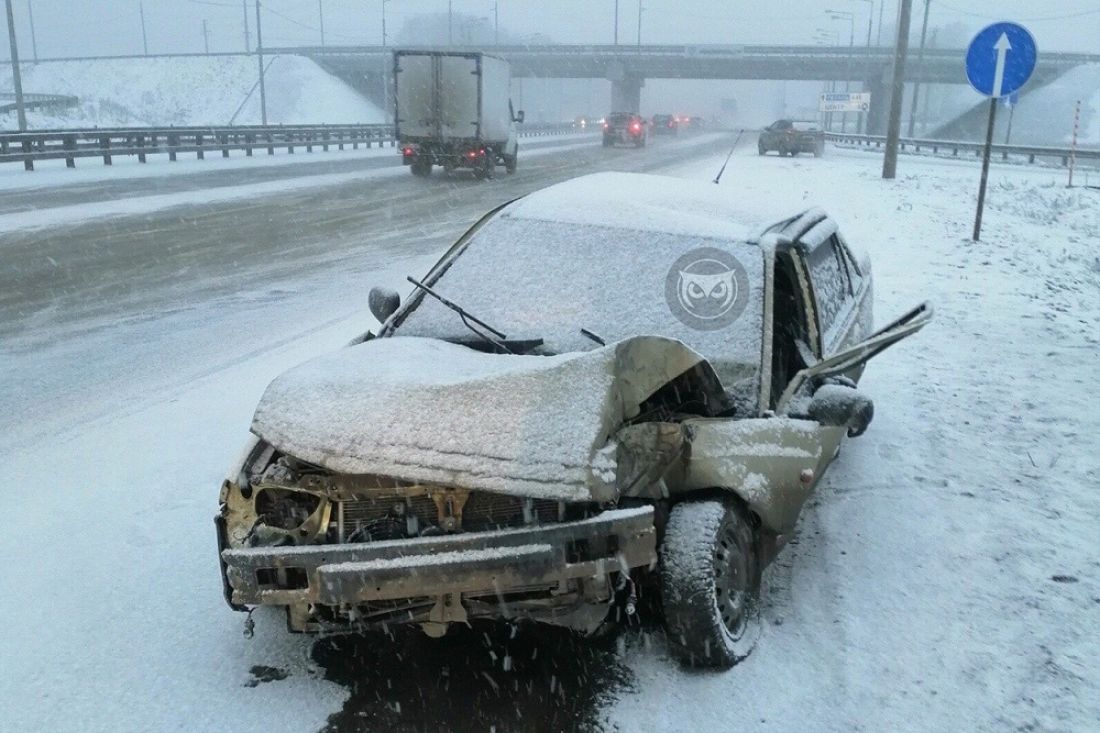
{"points": [[945, 578]]}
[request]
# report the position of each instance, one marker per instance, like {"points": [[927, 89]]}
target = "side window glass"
{"points": [[830, 282]]}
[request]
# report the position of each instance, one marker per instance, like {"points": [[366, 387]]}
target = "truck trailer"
{"points": [[453, 109]]}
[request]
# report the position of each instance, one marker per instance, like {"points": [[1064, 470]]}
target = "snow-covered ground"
{"points": [[212, 90], [944, 578]]}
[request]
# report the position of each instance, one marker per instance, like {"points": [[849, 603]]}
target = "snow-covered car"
{"points": [[603, 387]]}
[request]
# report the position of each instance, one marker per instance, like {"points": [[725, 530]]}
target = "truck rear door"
{"points": [[416, 88], [459, 97]]}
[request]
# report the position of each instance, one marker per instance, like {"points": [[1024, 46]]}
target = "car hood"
{"points": [[425, 410]]}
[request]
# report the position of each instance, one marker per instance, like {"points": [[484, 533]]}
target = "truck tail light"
{"points": [[407, 151], [635, 127]]}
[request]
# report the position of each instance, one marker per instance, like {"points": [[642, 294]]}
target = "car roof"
{"points": [[640, 202]]}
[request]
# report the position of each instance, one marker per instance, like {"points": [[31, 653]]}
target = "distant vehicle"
{"points": [[665, 125], [454, 110], [583, 122], [625, 128], [791, 137], [442, 471]]}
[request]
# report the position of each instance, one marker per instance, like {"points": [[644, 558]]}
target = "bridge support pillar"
{"points": [[880, 105], [626, 94]]}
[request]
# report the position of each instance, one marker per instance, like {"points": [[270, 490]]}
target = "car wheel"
{"points": [[607, 142], [421, 167], [760, 149], [710, 578]]}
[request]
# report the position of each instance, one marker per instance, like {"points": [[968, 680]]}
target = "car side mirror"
{"points": [[383, 303], [835, 405], [520, 116]]}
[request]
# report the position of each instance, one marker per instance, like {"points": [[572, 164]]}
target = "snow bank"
{"points": [[201, 90]]}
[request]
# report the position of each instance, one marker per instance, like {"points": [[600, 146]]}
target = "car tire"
{"points": [[760, 149], [710, 578], [421, 167], [607, 141]]}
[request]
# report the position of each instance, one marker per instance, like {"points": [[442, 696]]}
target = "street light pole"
{"points": [[205, 38], [640, 9], [496, 22], [34, 40], [16, 76], [450, 23], [247, 40], [851, 18], [385, 67], [616, 22], [920, 71], [862, 124], [878, 35], [321, 16], [893, 128], [260, 60], [144, 40]]}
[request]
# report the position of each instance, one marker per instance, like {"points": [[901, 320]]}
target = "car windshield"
{"points": [[538, 279]]}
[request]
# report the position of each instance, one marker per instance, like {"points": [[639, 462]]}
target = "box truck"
{"points": [[454, 110]]}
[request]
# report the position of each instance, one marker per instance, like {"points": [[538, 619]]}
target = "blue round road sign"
{"points": [[1000, 59]]}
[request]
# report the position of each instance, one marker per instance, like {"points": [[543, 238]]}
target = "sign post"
{"points": [[999, 61]]}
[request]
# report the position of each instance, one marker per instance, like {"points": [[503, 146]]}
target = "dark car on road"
{"points": [[665, 125], [625, 128], [791, 137]]}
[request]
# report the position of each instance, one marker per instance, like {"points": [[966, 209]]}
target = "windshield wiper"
{"points": [[467, 318], [592, 335]]}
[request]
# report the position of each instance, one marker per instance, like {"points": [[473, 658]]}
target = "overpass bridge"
{"points": [[627, 67]]}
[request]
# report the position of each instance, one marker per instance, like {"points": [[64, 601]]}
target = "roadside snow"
{"points": [[204, 91], [945, 577]]}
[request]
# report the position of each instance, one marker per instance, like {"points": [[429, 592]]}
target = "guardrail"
{"points": [[37, 101], [954, 147], [109, 143]]}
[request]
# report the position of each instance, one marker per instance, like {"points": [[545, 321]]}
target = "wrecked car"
{"points": [[603, 388]]}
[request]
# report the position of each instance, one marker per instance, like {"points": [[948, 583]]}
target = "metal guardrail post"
{"points": [[248, 140], [173, 143], [105, 145], [141, 144], [70, 146], [199, 142], [28, 162]]}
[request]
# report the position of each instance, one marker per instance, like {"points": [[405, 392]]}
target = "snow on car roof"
{"points": [[641, 202]]}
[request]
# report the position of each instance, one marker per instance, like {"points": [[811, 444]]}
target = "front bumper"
{"points": [[476, 562]]}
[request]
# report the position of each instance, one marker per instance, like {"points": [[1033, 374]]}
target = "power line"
{"points": [[986, 16]]}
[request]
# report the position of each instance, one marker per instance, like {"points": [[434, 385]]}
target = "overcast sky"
{"points": [[101, 27]]}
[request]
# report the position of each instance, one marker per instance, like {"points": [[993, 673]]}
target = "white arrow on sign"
{"points": [[1003, 47]]}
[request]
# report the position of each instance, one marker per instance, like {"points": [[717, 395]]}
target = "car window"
{"points": [[806, 126], [540, 279], [831, 285]]}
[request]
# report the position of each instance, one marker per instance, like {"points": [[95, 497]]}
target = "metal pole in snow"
{"points": [[616, 22], [450, 23], [496, 23], [640, 9], [1073, 144], [893, 127], [247, 39], [260, 58], [985, 166], [205, 38], [1011, 111], [920, 71], [321, 15], [34, 39], [16, 76], [144, 40]]}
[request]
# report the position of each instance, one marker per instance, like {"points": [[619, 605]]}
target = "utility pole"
{"points": [[616, 22], [450, 23], [260, 58], [385, 67], [16, 77], [321, 15], [851, 18], [861, 124], [640, 9], [247, 40], [205, 38], [34, 40], [496, 22], [920, 72], [878, 35], [897, 89], [144, 39]]}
